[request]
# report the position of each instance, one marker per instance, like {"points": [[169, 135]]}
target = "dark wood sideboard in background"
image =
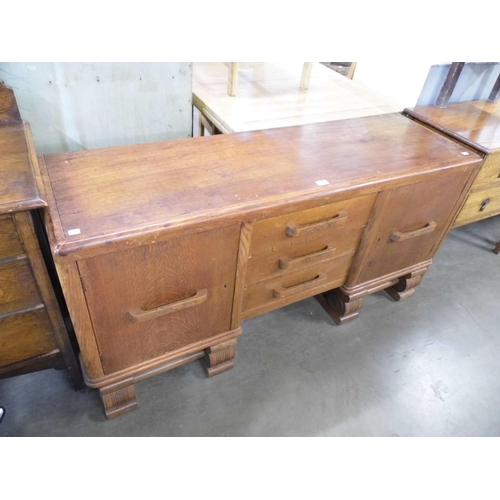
{"points": [[33, 334]]}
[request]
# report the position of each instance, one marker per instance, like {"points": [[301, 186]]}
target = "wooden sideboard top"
{"points": [[476, 123], [19, 189], [100, 196]]}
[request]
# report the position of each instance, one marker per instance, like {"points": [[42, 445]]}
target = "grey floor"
{"points": [[427, 366]]}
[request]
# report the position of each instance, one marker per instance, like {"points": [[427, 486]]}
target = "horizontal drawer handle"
{"points": [[316, 226], [294, 263], [399, 236], [282, 292], [141, 315]]}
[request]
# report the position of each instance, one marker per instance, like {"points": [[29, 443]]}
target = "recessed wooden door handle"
{"points": [[316, 226], [400, 236], [282, 292], [294, 263], [141, 315]]}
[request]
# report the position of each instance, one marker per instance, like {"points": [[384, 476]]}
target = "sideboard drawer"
{"points": [[25, 335], [490, 171], [156, 299], [18, 289], [278, 291], [10, 244], [480, 205], [286, 243], [411, 224]]}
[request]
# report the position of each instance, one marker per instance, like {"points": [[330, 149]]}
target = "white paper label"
{"points": [[72, 232], [465, 153], [322, 183]]}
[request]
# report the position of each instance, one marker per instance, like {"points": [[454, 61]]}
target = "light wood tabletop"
{"points": [[269, 96]]}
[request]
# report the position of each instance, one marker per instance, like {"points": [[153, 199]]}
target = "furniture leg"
{"points": [[232, 82], [352, 69], [306, 75], [495, 91], [118, 399], [449, 84], [218, 358], [339, 305], [405, 287], [497, 248], [201, 126]]}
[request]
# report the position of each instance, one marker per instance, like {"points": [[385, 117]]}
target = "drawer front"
{"points": [[10, 244], [480, 204], [279, 291], [18, 290], [411, 224], [156, 299], [287, 243], [24, 336], [490, 170]]}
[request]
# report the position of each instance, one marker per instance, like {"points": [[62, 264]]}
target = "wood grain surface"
{"points": [[154, 276], [106, 195], [476, 123], [18, 187]]}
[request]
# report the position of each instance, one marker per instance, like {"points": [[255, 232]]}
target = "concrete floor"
{"points": [[427, 366]]}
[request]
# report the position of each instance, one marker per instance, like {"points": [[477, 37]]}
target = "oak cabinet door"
{"points": [[410, 224], [157, 299]]}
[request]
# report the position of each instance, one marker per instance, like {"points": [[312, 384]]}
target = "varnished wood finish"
{"points": [[24, 335], [9, 112], [150, 190], [281, 290], [476, 124], [44, 361], [118, 401], [10, 244], [339, 306], [404, 237], [32, 332], [481, 204], [162, 273], [405, 287], [219, 358], [305, 233], [18, 186], [234, 226]]}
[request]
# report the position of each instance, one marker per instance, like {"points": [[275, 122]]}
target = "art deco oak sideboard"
{"points": [[164, 249], [33, 335], [477, 125]]}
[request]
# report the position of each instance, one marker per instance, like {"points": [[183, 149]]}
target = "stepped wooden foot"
{"points": [[405, 287], [497, 248], [339, 306], [118, 401], [218, 358]]}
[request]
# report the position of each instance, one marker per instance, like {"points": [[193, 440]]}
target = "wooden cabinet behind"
{"points": [[163, 249], [475, 124], [33, 335]]}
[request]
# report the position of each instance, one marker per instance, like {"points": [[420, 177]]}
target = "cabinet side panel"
{"points": [[69, 277]]}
